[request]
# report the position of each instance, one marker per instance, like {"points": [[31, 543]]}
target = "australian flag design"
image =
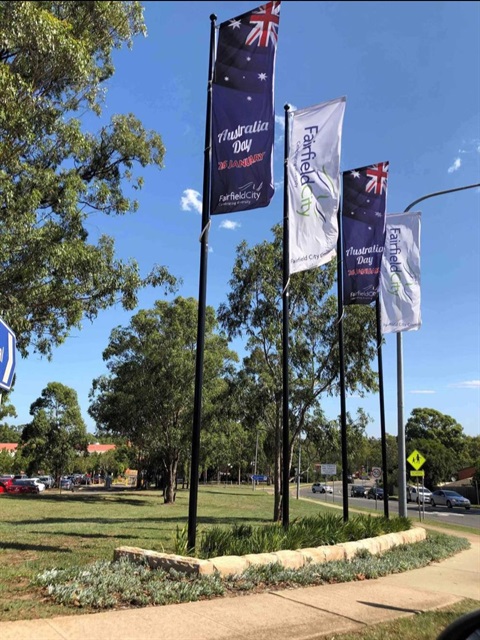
{"points": [[243, 111], [363, 229]]}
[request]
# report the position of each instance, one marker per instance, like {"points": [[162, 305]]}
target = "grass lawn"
{"points": [[53, 530], [72, 529]]}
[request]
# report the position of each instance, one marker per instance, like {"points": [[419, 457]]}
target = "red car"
{"points": [[5, 483], [22, 486]]}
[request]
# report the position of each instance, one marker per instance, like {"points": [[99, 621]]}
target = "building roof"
{"points": [[8, 446], [100, 448], [92, 448]]}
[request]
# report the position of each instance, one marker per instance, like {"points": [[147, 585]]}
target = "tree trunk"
{"points": [[170, 482]]}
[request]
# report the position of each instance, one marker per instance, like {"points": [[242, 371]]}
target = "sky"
{"points": [[410, 72]]}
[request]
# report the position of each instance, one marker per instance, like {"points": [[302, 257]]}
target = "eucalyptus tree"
{"points": [[254, 311], [55, 60], [57, 434], [147, 397]]}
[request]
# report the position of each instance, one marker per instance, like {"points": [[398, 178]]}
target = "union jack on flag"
{"points": [[265, 19], [378, 174], [246, 50], [365, 193]]}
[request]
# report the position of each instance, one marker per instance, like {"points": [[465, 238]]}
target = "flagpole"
{"points": [[402, 472], [343, 408], [382, 407], [285, 335], [202, 298]]}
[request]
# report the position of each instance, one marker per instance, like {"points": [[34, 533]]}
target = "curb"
{"points": [[234, 565]]}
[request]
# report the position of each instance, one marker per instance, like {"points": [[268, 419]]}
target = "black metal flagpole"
{"points": [[202, 298], [343, 409], [285, 298], [382, 407]]}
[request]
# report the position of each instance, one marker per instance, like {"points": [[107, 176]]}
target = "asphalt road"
{"points": [[456, 515]]}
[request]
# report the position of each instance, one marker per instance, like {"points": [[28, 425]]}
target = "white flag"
{"points": [[314, 184], [400, 274]]}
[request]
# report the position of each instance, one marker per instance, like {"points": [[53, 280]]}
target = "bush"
{"points": [[327, 529]]}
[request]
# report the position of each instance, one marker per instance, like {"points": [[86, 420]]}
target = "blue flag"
{"points": [[243, 111], [363, 230]]}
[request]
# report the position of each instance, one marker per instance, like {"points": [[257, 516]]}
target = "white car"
{"points": [[419, 494], [48, 481], [318, 487], [38, 483]]}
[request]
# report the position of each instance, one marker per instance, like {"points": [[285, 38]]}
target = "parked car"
{"points": [[418, 494], [318, 487], [41, 485], [24, 485], [67, 482], [5, 482], [358, 491], [48, 481], [375, 493], [449, 499]]}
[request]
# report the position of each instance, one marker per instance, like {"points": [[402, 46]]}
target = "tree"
{"points": [[57, 433], [374, 456], [55, 58], [7, 410], [441, 463], [431, 424], [148, 395], [254, 310]]}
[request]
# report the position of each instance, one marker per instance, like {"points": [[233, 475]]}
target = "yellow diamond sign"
{"points": [[416, 459]]}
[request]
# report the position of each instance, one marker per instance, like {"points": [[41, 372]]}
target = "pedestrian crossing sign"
{"points": [[416, 460]]}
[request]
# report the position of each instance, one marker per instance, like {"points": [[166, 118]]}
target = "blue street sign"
{"points": [[260, 478], [7, 356]]}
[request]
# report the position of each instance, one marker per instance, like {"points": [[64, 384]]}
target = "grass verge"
{"points": [[422, 626]]}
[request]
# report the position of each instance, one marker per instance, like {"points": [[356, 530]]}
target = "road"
{"points": [[458, 516]]}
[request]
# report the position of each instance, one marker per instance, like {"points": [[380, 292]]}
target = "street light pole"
{"points": [[402, 472]]}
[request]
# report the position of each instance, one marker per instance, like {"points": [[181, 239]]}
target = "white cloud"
{"points": [[229, 224], [457, 163], [423, 391], [191, 201], [468, 384], [280, 121]]}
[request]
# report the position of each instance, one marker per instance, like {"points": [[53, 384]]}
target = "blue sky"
{"points": [[410, 72]]}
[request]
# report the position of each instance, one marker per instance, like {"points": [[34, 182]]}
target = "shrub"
{"points": [[326, 529]]}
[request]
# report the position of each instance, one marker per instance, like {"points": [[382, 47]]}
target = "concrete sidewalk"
{"points": [[294, 614]]}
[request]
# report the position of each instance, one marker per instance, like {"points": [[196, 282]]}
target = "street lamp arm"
{"points": [[440, 193]]}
